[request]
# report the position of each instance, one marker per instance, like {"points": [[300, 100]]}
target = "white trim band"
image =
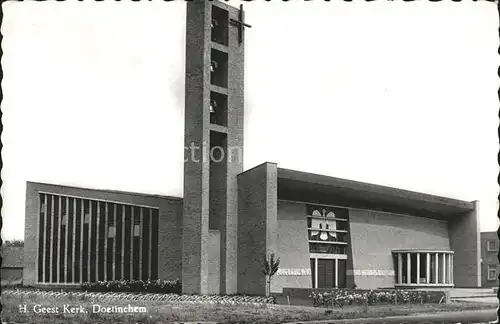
{"points": [[293, 272], [365, 272]]}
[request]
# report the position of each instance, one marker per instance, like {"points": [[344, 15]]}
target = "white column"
{"points": [[132, 224], [123, 243], [400, 268], [98, 226], [82, 217], [316, 273], [444, 268], [45, 238], [451, 269], [418, 268], [408, 268], [141, 223], [336, 273], [448, 269], [51, 273], [437, 268], [58, 256], [89, 237], [73, 251], [66, 239], [428, 268], [106, 233], [113, 253], [150, 253]]}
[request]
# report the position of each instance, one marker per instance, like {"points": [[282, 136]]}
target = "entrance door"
{"points": [[326, 273]]}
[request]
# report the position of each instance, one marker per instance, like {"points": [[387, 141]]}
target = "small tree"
{"points": [[270, 267]]}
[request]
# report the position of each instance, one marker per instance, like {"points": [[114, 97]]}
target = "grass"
{"points": [[162, 312]]}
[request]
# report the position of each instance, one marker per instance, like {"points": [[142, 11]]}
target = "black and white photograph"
{"points": [[231, 161]]}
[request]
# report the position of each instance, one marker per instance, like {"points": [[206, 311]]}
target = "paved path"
{"points": [[469, 317], [487, 300], [471, 292]]}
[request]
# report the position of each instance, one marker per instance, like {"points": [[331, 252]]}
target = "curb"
{"points": [[398, 319], [472, 297]]}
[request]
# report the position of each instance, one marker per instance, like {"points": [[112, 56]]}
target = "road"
{"points": [[479, 316]]}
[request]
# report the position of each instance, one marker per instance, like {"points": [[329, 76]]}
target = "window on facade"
{"points": [[323, 226], [111, 232], [64, 219], [426, 268], [86, 211], [64, 216], [328, 241], [219, 25], [327, 248], [492, 246], [137, 230], [326, 228], [75, 253], [492, 272]]}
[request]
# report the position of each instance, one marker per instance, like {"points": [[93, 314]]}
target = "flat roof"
{"points": [[110, 191], [422, 251], [372, 195]]}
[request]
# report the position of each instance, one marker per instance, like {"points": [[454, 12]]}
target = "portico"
{"points": [[417, 268]]}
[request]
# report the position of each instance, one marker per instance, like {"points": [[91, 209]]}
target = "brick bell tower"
{"points": [[213, 146]]}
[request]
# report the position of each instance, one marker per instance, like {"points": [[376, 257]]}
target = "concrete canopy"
{"points": [[321, 189]]}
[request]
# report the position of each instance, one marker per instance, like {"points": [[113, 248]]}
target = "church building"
{"points": [[328, 232]]}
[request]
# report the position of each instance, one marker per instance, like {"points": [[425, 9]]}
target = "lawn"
{"points": [[168, 311]]}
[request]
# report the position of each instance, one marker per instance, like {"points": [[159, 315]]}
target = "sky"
{"points": [[392, 93]]}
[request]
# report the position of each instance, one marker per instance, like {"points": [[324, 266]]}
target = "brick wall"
{"points": [[170, 239], [198, 184], [214, 263], [31, 235], [488, 258], [196, 173], [257, 225], [293, 247], [465, 242], [374, 234]]}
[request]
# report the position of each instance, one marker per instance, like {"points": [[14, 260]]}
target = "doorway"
{"points": [[328, 273]]}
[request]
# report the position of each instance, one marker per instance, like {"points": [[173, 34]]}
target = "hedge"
{"points": [[370, 297], [151, 286]]}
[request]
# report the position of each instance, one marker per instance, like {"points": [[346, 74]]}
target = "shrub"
{"points": [[13, 243], [371, 297], [154, 286]]}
